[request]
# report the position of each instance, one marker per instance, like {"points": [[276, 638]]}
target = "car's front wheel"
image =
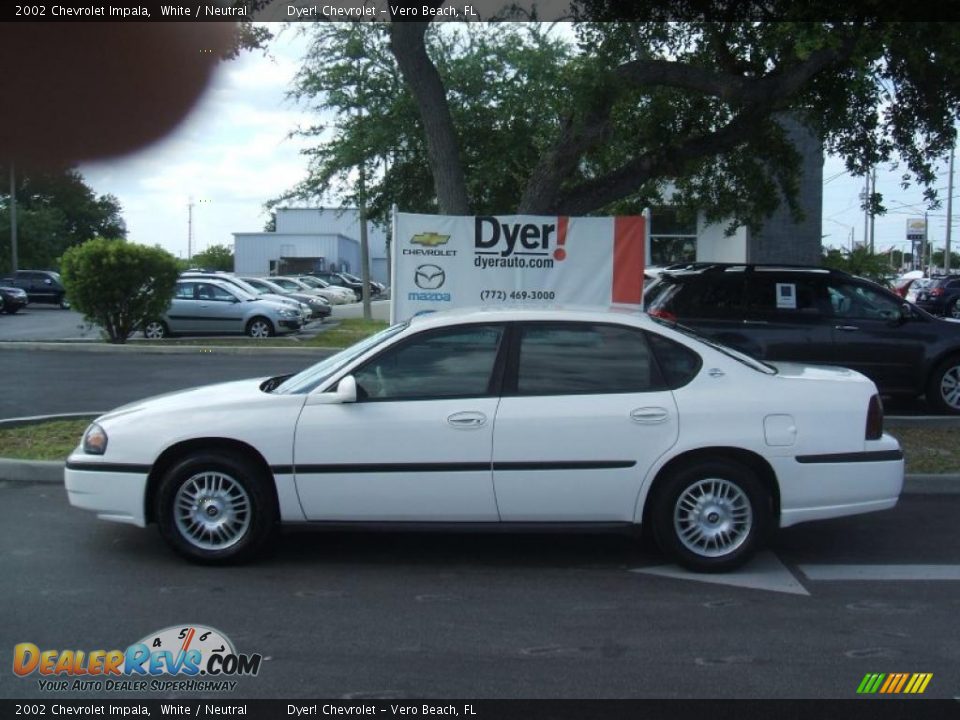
{"points": [[711, 516], [64, 303], [155, 330], [943, 390], [259, 327], [213, 509]]}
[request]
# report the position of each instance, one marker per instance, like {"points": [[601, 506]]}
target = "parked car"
{"points": [[915, 288], [290, 284], [12, 299], [209, 307], [319, 307], [302, 308], [350, 281], [816, 315], [376, 289], [941, 296], [41, 286], [542, 418], [335, 294]]}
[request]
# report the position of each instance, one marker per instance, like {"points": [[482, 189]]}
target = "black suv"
{"points": [[816, 315], [41, 286], [941, 296]]}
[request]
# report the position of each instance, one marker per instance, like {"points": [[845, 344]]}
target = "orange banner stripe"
{"points": [[903, 679]]}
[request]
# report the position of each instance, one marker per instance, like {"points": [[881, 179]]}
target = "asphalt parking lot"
{"points": [[404, 615], [49, 323]]}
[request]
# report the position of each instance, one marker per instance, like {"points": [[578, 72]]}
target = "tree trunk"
{"points": [[443, 151]]}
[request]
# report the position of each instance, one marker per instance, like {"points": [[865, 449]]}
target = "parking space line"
{"points": [[828, 573]]}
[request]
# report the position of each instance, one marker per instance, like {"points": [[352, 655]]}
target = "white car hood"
{"points": [[236, 391]]}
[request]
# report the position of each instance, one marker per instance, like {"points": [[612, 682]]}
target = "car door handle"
{"points": [[467, 420], [649, 415], [846, 328]]}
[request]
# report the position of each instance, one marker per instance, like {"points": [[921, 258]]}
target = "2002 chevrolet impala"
{"points": [[496, 418]]}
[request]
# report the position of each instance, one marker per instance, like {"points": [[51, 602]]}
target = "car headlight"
{"points": [[95, 440], [289, 313]]}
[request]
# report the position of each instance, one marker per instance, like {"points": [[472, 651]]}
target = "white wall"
{"points": [[713, 245]]}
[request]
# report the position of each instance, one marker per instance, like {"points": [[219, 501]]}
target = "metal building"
{"points": [[310, 239]]}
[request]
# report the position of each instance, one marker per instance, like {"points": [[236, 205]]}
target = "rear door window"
{"points": [[785, 297]]}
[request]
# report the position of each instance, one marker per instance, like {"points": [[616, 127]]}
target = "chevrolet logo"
{"points": [[430, 239], [430, 277]]}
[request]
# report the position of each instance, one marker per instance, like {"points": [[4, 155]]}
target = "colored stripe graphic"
{"points": [[628, 259], [894, 683]]}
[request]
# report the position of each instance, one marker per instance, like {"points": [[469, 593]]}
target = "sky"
{"points": [[232, 154]]}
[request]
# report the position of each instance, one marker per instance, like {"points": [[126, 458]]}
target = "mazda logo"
{"points": [[430, 277]]}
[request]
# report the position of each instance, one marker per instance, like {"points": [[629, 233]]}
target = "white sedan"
{"points": [[541, 418]]}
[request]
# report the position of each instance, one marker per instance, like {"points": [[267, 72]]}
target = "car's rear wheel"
{"points": [[711, 516], [213, 509], [155, 330], [954, 310], [943, 390], [259, 327], [64, 303], [10, 309]]}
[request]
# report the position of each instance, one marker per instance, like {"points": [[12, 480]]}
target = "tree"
{"points": [[215, 257], [55, 210], [117, 285], [861, 262], [524, 120]]}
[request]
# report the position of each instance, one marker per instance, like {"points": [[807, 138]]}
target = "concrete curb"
{"points": [[51, 472], [97, 347]]}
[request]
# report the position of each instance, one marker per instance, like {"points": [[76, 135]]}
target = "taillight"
{"points": [[663, 315], [936, 292], [874, 419]]}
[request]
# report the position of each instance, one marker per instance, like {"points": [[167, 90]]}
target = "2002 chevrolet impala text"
{"points": [[488, 418]]}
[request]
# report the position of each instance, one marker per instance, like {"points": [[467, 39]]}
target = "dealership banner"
{"points": [[446, 261]]}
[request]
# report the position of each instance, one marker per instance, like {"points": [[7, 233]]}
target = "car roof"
{"points": [[632, 314], [703, 268]]}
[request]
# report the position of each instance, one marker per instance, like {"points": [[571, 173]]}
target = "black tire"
{"points": [[63, 303], [230, 496], [155, 330], [260, 327], [724, 501], [943, 388], [953, 310], [10, 310]]}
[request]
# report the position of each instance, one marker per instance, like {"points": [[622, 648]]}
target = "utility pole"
{"points": [[946, 254], [873, 191], [189, 229], [866, 209], [13, 219]]}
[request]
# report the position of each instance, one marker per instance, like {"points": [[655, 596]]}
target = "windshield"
{"points": [[312, 282], [307, 380], [741, 357]]}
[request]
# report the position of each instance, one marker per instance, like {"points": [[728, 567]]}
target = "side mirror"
{"points": [[346, 392]]}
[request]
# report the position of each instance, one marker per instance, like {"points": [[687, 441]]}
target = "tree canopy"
{"points": [[215, 257], [55, 211], [600, 117]]}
